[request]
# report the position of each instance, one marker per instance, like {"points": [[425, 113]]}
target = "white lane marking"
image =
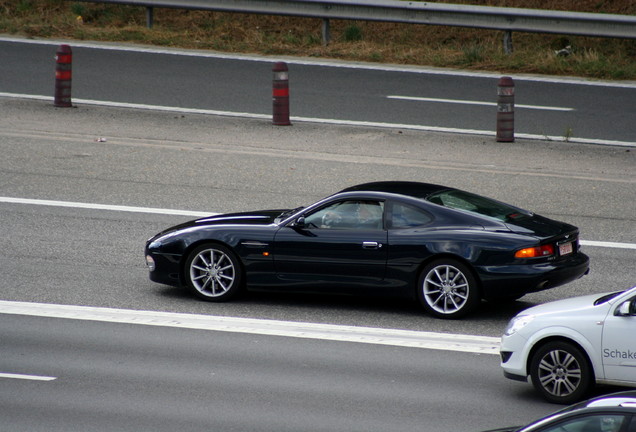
{"points": [[324, 62], [174, 212], [368, 335], [328, 121], [469, 102], [27, 377], [105, 207], [608, 244], [141, 106]]}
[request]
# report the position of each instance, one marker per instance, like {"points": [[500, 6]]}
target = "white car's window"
{"points": [[607, 298]]}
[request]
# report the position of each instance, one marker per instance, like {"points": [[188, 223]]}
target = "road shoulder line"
{"points": [[369, 335]]}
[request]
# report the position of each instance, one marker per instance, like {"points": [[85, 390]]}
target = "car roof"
{"points": [[408, 188], [623, 399], [616, 402]]}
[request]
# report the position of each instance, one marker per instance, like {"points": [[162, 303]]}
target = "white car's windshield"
{"points": [[607, 297]]}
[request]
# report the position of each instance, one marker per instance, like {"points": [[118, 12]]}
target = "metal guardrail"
{"points": [[414, 12]]}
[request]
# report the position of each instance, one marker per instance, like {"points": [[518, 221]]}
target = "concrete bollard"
{"points": [[506, 110], [63, 75], [281, 94]]}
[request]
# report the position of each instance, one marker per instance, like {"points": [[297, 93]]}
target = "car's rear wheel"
{"points": [[561, 372], [448, 289], [212, 273]]}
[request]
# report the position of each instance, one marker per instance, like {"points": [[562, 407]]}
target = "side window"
{"points": [[406, 216], [590, 423], [348, 215]]}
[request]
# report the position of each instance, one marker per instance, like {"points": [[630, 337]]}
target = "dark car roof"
{"points": [[621, 399], [411, 189], [615, 402]]}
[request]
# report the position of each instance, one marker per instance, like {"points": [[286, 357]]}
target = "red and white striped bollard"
{"points": [[506, 110], [280, 93], [63, 75]]}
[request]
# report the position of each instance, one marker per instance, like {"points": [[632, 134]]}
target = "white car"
{"points": [[568, 345]]}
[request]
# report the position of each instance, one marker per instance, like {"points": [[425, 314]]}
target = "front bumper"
{"points": [[521, 378], [164, 268], [514, 351]]}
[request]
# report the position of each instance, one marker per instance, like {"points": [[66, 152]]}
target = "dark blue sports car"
{"points": [[448, 248]]}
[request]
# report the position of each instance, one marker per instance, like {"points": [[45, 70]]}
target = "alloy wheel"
{"points": [[446, 289], [212, 272], [559, 373]]}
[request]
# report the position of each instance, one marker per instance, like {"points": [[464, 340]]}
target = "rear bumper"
{"points": [[517, 280]]}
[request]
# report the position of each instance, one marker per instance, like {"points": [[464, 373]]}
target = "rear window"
{"points": [[477, 204]]}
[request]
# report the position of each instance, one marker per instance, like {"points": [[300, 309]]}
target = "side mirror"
{"points": [[299, 223], [627, 308]]}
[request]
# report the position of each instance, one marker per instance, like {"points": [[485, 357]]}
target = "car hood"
{"points": [[565, 306], [261, 217], [504, 429]]}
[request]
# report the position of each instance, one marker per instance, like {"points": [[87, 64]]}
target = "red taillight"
{"points": [[535, 252]]}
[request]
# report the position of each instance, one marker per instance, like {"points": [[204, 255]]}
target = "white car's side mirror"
{"points": [[627, 308]]}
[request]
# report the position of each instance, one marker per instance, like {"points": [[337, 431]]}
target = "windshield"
{"points": [[477, 204], [607, 298], [286, 214]]}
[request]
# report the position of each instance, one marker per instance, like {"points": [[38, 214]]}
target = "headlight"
{"points": [[517, 323], [150, 262]]}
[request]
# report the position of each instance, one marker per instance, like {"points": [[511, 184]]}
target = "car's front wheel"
{"points": [[448, 289], [561, 372], [212, 273]]}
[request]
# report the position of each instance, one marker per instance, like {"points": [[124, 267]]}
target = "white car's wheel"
{"points": [[561, 372]]}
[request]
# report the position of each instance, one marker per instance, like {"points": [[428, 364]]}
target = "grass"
{"points": [[449, 47]]}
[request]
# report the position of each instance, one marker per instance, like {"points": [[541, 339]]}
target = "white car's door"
{"points": [[619, 342]]}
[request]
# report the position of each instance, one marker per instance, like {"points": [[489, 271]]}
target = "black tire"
{"points": [[448, 289], [561, 372], [212, 272]]}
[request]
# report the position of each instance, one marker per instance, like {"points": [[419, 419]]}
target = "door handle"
{"points": [[371, 245]]}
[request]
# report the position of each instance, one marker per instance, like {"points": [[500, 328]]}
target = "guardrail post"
{"points": [[326, 32], [506, 110], [280, 93], [507, 42], [149, 16], [63, 75]]}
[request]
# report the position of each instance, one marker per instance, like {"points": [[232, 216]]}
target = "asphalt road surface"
{"points": [[117, 377], [91, 256], [75, 188]]}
